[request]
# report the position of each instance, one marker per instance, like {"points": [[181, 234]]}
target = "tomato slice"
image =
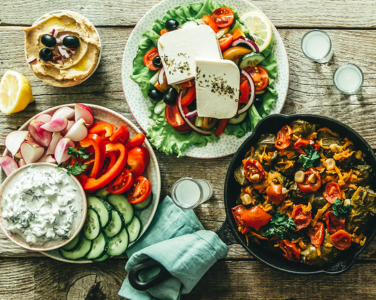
{"points": [[188, 83], [246, 219], [332, 192], [237, 34], [136, 161], [283, 137], [252, 167], [223, 17], [209, 21], [122, 183], [136, 141], [306, 186], [233, 53], [290, 250], [260, 77], [274, 193], [301, 144], [139, 191], [174, 118], [225, 41], [148, 58], [341, 240], [301, 219], [316, 233], [333, 224], [221, 127], [245, 89], [189, 97]]}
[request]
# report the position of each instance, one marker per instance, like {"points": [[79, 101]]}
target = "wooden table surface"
{"points": [[350, 24]]}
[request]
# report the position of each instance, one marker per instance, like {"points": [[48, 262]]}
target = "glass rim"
{"points": [[361, 73], [176, 201], [305, 35]]}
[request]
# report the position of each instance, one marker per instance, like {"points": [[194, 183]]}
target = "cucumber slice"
{"points": [[134, 229], [118, 244], [103, 209], [103, 258], [238, 118], [74, 244], [159, 107], [144, 203], [99, 247], [154, 79], [102, 193], [92, 226], [121, 203], [115, 226], [250, 60], [189, 24], [83, 249]]}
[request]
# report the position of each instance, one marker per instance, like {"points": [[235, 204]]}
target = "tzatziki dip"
{"points": [[42, 204]]}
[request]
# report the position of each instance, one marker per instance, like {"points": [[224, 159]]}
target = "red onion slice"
{"points": [[160, 76], [58, 41], [56, 58], [62, 52], [191, 114], [180, 108], [251, 97], [62, 37], [60, 62], [246, 41], [31, 59], [54, 33]]}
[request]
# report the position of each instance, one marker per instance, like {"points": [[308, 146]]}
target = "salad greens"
{"points": [[161, 134]]}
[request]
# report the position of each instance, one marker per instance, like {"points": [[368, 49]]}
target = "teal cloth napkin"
{"points": [[178, 241]]}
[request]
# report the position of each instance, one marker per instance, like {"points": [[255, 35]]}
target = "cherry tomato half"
{"points": [[308, 187], [136, 141], [245, 89], [332, 192], [223, 17], [174, 118], [209, 21], [283, 137], [237, 212], [274, 193], [316, 233], [122, 183], [341, 240], [136, 161], [252, 167], [290, 250], [139, 191], [254, 217], [260, 77], [225, 41], [302, 144], [333, 224], [148, 58], [301, 219]]}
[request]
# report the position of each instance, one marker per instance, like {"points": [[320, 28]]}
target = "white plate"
{"points": [[138, 105], [102, 114]]}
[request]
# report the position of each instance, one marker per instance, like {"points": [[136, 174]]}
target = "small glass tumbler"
{"points": [[348, 78], [188, 193], [317, 46]]}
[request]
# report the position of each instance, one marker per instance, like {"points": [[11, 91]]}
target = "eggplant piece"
{"points": [[282, 167], [303, 128], [239, 176], [328, 139], [267, 140], [365, 173], [317, 199]]}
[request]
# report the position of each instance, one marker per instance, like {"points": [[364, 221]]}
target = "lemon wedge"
{"points": [[259, 28], [15, 92]]}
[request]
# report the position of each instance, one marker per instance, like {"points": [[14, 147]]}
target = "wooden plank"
{"points": [[287, 13]]}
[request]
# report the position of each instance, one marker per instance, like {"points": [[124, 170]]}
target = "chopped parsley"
{"points": [[78, 153], [281, 226], [340, 210], [76, 169], [312, 159]]}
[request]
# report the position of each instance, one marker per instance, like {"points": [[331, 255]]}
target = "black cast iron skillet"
{"points": [[228, 230]]}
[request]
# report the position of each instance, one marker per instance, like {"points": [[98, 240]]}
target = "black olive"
{"points": [[71, 41], [192, 106], [172, 24], [170, 96], [45, 54], [258, 101], [48, 40], [155, 94], [157, 62]]}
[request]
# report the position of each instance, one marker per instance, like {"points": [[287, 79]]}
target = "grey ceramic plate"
{"points": [[102, 114]]}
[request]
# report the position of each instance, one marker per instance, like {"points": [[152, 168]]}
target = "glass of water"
{"points": [[348, 78], [188, 193], [317, 46]]}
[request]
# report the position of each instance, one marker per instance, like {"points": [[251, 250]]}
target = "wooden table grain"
{"points": [[350, 24]]}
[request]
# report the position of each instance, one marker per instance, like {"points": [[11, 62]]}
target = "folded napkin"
{"points": [[177, 240]]}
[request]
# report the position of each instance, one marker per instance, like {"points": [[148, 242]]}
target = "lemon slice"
{"points": [[15, 92], [259, 28]]}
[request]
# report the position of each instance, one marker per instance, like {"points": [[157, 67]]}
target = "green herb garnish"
{"points": [[281, 226], [340, 210], [78, 153], [312, 159], [76, 169]]}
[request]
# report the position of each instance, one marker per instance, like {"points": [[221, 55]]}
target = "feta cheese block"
{"points": [[217, 88], [178, 50]]}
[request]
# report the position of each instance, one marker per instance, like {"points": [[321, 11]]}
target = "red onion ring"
{"points": [[252, 96], [247, 42], [191, 114], [160, 76]]}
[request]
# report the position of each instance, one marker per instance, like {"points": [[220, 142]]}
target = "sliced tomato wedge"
{"points": [[260, 77], [308, 187], [316, 233], [301, 219], [290, 250], [332, 192], [122, 183], [223, 17], [301, 144], [283, 137], [237, 34], [189, 97], [139, 191], [209, 21], [274, 193], [174, 118], [221, 127], [341, 240], [136, 141], [333, 224], [148, 58], [253, 167], [225, 41], [136, 161], [245, 89]]}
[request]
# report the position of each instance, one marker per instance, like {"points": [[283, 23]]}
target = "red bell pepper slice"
{"points": [[104, 130], [96, 142], [245, 89], [108, 164], [121, 135], [221, 127], [136, 141], [189, 97]]}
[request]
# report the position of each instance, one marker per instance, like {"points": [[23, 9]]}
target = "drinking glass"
{"points": [[317, 46], [188, 193], [348, 78]]}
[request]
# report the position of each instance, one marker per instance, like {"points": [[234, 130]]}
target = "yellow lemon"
{"points": [[15, 92]]}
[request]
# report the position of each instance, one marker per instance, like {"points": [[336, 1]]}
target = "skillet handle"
{"points": [[225, 234], [146, 265]]}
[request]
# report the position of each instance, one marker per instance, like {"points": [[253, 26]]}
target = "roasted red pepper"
{"points": [[221, 127], [104, 130], [96, 142], [121, 135]]}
